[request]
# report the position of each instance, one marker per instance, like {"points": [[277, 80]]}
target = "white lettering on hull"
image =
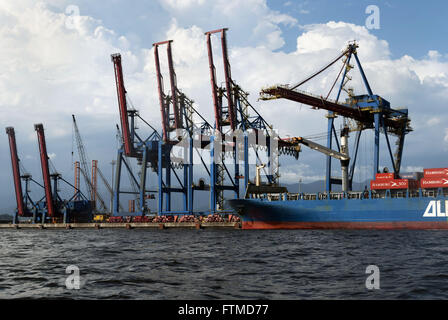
{"points": [[434, 209]]}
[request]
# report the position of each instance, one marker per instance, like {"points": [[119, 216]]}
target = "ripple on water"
{"points": [[223, 264]]}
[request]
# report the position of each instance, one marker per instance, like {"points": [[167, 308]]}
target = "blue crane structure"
{"points": [[179, 130], [370, 111], [233, 115], [133, 146], [185, 128], [156, 150]]}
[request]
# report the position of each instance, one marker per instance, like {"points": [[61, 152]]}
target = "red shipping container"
{"points": [[435, 172], [427, 183], [389, 175], [393, 184]]}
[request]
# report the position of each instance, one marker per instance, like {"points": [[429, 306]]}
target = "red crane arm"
{"points": [[213, 82], [228, 81], [45, 168], [364, 116], [16, 170], [121, 94], [316, 102], [177, 118], [164, 106]]}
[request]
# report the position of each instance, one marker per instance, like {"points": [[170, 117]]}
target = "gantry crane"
{"points": [[90, 180], [55, 208], [233, 114], [178, 114], [370, 111], [144, 149]]}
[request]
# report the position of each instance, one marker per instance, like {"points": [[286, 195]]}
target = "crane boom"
{"points": [[121, 94], [82, 158], [359, 114], [16, 171], [164, 105], [45, 168], [175, 121], [315, 146]]}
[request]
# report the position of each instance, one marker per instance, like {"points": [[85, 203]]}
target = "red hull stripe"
{"points": [[347, 225]]}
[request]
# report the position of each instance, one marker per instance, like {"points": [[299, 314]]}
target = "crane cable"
{"points": [[321, 70]]}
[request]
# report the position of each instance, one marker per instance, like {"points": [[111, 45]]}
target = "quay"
{"points": [[131, 225]]}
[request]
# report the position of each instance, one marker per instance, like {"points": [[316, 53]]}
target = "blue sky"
{"points": [[411, 27], [51, 69]]}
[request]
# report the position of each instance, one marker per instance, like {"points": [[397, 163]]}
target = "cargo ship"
{"points": [[389, 204], [394, 201]]}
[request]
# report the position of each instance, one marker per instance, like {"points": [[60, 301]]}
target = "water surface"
{"points": [[223, 264]]}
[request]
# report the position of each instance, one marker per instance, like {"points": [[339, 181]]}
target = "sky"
{"points": [[55, 62]]}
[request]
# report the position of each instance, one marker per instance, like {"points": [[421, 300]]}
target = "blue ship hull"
{"points": [[383, 213]]}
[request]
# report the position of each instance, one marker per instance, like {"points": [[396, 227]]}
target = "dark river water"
{"points": [[223, 264]]}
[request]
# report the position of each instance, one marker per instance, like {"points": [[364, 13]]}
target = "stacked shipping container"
{"points": [[384, 181], [384, 184], [430, 178], [434, 178]]}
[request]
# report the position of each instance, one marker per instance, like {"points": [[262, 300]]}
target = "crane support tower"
{"points": [[133, 146], [178, 114], [234, 115], [183, 128]]}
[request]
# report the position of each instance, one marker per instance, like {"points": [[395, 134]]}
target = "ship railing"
{"points": [[398, 194], [355, 195], [273, 196], [377, 195], [323, 196], [309, 196], [436, 192], [374, 194], [429, 193], [294, 196], [336, 195], [406, 194], [414, 194]]}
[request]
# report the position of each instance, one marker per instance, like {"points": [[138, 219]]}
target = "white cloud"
{"points": [[335, 35], [256, 23], [182, 4], [50, 71]]}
